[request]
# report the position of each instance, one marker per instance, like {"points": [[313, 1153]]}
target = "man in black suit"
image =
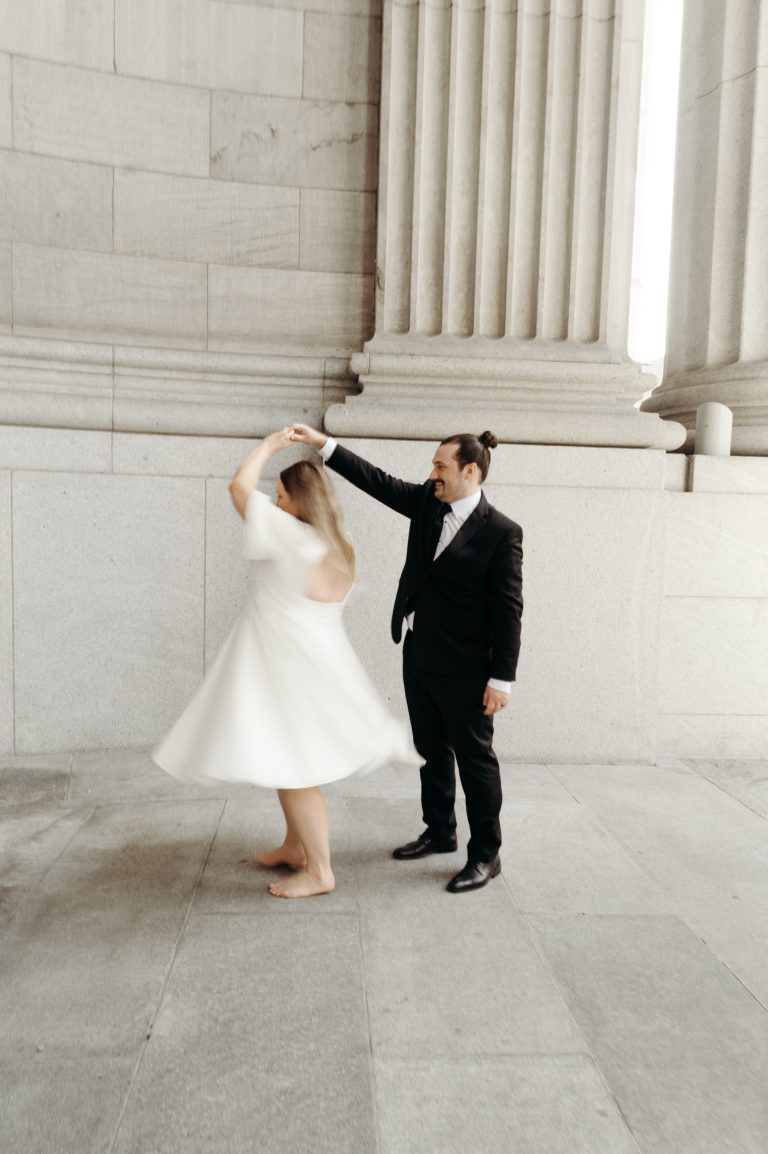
{"points": [[460, 595]]}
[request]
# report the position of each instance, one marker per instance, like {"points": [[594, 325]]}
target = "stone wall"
{"points": [[184, 175]]}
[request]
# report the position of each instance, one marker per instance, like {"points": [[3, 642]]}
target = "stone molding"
{"points": [[742, 386], [64, 384]]}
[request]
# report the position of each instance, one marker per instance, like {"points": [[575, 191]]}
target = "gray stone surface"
{"points": [[105, 554], [337, 230], [110, 119], [195, 42], [86, 959], [730, 558], [6, 120], [342, 58], [81, 34], [55, 202], [56, 384], [309, 143], [682, 1045], [6, 616], [126, 299], [747, 781], [6, 287], [70, 1105], [252, 308], [81, 450], [531, 1104], [186, 218], [260, 1042], [560, 859], [155, 998], [225, 569], [707, 852]]}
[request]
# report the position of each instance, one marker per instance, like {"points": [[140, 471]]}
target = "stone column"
{"points": [[507, 164], [717, 345]]}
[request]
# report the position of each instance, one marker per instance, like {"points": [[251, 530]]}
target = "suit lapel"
{"points": [[473, 523]]}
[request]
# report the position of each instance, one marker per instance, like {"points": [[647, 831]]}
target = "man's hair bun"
{"points": [[487, 438]]}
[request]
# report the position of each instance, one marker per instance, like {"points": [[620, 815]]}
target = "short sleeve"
{"points": [[268, 532]]}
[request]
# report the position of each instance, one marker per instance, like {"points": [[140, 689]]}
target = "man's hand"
{"points": [[494, 700], [308, 436]]}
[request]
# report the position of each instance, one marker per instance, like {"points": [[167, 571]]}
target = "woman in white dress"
{"points": [[287, 703]]}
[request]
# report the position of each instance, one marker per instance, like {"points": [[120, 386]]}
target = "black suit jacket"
{"points": [[468, 603]]}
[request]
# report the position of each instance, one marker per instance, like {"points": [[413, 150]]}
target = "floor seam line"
{"points": [[163, 988]]}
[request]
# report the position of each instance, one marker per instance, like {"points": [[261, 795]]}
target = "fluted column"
{"points": [[717, 345], [506, 192]]}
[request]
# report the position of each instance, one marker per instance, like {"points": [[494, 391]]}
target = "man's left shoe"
{"points": [[474, 876]]}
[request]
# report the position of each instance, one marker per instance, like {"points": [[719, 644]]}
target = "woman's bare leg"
{"points": [[291, 852], [306, 814]]}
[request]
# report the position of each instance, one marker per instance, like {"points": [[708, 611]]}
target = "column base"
{"points": [[520, 401], [743, 387]]}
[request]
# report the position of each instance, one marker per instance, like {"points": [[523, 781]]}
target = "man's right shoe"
{"points": [[425, 845]]}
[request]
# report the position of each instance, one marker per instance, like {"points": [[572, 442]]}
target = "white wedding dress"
{"points": [[287, 703]]}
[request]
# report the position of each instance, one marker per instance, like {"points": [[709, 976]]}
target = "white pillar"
{"points": [[506, 193], [717, 347]]}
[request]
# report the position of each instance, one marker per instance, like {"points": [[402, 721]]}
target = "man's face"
{"points": [[451, 482]]}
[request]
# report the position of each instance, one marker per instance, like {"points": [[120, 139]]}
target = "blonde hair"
{"points": [[308, 486]]}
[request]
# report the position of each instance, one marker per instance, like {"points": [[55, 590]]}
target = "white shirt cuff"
{"points": [[328, 448], [502, 686]]}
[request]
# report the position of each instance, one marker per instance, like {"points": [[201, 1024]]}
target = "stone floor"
{"points": [[606, 995]]}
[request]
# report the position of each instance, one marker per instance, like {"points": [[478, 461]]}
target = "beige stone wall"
{"points": [[185, 175]]}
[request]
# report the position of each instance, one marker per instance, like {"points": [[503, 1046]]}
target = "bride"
{"points": [[287, 703]]}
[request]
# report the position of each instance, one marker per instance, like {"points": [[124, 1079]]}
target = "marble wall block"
{"points": [[68, 450], [216, 221], [717, 545], [728, 474], [338, 230], [109, 607], [325, 311], [342, 58], [114, 120], [6, 308], [6, 617], [307, 143], [335, 7], [719, 735], [131, 300], [713, 656], [6, 119], [80, 33], [63, 384], [55, 202], [231, 46]]}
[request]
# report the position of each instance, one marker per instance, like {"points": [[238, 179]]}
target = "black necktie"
{"points": [[441, 513]]}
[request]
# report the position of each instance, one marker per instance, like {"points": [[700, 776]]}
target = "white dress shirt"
{"points": [[452, 522]]}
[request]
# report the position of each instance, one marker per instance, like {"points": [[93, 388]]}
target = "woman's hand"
{"points": [[307, 436], [277, 441]]}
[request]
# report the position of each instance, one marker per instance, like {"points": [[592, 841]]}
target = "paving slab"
{"points": [[33, 837], [131, 775], [460, 974], [25, 780], [260, 1043], [70, 1106], [681, 1043], [747, 781], [706, 852], [85, 960], [529, 1104], [558, 858]]}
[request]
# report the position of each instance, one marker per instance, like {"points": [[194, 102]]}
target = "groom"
{"points": [[460, 596]]}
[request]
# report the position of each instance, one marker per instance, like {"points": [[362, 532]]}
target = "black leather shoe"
{"points": [[425, 845], [474, 876]]}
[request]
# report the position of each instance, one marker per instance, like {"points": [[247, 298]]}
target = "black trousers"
{"points": [[447, 721]]}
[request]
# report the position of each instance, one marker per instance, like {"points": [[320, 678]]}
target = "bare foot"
{"points": [[303, 885], [284, 855]]}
